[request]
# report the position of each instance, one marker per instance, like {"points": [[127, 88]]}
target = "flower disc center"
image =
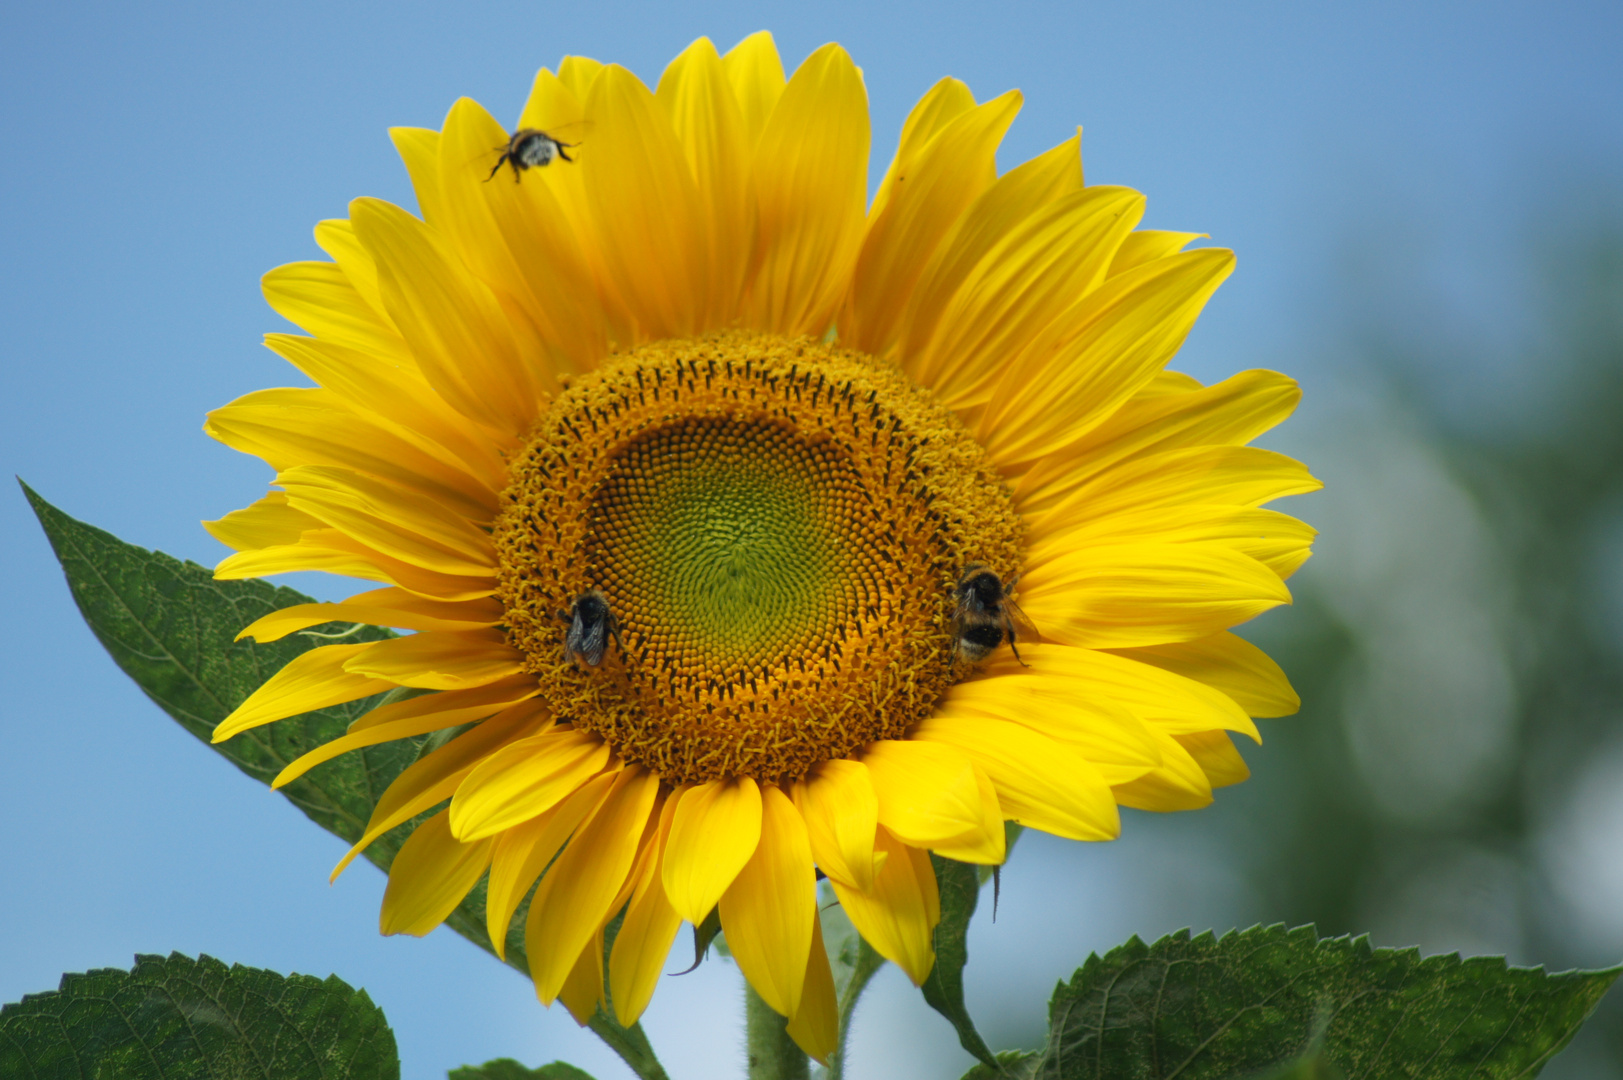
{"points": [[776, 527], [721, 533]]}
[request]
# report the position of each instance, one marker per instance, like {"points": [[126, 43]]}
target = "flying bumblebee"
{"points": [[529, 148], [985, 616], [591, 624]]}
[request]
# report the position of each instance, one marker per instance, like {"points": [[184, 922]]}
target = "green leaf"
{"points": [[1313, 1066], [175, 1018], [171, 627], [1206, 1008], [960, 886], [508, 1069]]}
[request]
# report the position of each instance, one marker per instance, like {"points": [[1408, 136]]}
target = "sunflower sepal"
{"points": [[960, 885]]}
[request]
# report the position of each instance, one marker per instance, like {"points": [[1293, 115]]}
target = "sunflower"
{"points": [[681, 464]]}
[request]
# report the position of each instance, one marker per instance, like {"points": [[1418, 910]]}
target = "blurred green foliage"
{"points": [[1514, 856]]}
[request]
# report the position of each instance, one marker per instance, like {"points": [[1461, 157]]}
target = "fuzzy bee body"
{"points": [[591, 624], [984, 617], [529, 148]]}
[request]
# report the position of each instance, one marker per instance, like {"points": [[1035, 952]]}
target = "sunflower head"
{"points": [[711, 493], [775, 525]]}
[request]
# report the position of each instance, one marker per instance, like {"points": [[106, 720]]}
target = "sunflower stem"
{"points": [[868, 964], [773, 1055]]}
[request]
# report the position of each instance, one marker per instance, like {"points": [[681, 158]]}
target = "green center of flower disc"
{"points": [[723, 532], [776, 527]]}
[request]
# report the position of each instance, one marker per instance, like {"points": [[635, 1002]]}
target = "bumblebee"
{"points": [[529, 148], [591, 624], [985, 616]]}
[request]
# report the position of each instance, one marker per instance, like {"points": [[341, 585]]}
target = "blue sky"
{"points": [[159, 160]]}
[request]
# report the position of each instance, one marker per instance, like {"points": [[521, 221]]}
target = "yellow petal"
{"points": [[1097, 354], [525, 779], [319, 299], [756, 74], [1015, 197], [645, 936], [315, 427], [811, 174], [985, 844], [440, 660], [419, 150], [1200, 475], [520, 244], [943, 103], [709, 126], [1232, 412], [926, 192], [332, 551], [928, 794], [395, 397], [1178, 783], [1228, 663], [381, 607], [459, 706], [1041, 782], [714, 831], [582, 992], [311, 680], [770, 908], [390, 519], [433, 778], [336, 236], [1215, 753], [1129, 595], [523, 851], [645, 207], [429, 877], [899, 914], [1278, 541], [1165, 700], [1112, 738], [573, 900], [420, 722], [815, 1027], [270, 522], [455, 328], [1021, 287], [1147, 245], [841, 812], [556, 109], [580, 74]]}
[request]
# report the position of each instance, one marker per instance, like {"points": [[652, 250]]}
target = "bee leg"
{"points": [[563, 155], [1015, 650], [997, 889], [498, 168], [614, 631]]}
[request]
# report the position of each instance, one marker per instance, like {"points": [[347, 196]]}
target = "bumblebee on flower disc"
{"points": [[529, 148], [591, 624], [984, 617]]}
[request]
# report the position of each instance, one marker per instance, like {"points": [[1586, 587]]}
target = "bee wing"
{"points": [[1021, 621], [571, 134]]}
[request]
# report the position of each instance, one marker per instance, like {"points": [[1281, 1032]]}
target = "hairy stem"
{"points": [[773, 1055], [868, 963]]}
